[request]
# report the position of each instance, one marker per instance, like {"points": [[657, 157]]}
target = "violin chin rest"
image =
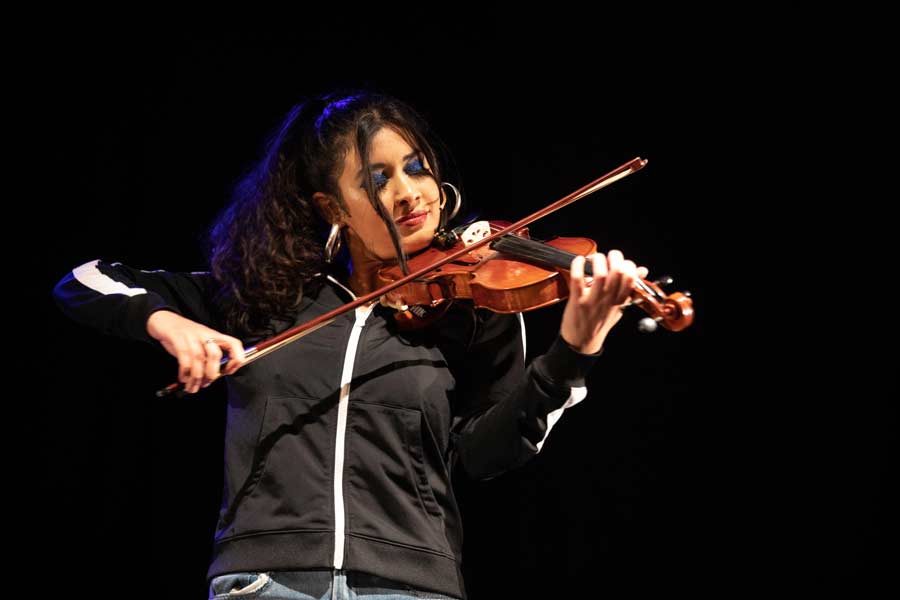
{"points": [[419, 316]]}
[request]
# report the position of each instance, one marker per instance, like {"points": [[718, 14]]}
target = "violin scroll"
{"points": [[674, 311]]}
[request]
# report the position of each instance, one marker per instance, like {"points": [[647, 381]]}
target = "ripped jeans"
{"points": [[313, 584]]}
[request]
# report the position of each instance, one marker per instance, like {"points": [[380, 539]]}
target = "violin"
{"points": [[512, 274], [499, 267]]}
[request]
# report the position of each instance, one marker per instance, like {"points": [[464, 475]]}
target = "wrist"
{"points": [[592, 348], [155, 317], [565, 366]]}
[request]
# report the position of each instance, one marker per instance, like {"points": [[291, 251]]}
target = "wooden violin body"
{"points": [[491, 279]]}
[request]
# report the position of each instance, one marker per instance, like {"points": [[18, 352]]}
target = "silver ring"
{"points": [[210, 340]]}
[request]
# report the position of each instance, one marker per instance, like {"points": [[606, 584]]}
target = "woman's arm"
{"points": [[117, 299], [505, 410]]}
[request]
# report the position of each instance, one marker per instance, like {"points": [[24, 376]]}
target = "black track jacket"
{"points": [[339, 446]]}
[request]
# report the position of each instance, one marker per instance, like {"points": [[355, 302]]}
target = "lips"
{"points": [[411, 216]]}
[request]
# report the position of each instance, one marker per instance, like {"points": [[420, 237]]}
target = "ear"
{"points": [[328, 207]]}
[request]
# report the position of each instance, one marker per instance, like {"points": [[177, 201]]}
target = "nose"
{"points": [[407, 191]]}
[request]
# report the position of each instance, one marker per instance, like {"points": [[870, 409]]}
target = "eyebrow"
{"points": [[412, 154]]}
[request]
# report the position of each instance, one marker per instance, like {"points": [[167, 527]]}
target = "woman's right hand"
{"points": [[186, 340]]}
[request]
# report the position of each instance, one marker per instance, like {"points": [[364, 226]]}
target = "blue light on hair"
{"points": [[332, 107]]}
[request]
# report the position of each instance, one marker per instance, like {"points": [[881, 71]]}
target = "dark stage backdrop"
{"points": [[699, 463]]}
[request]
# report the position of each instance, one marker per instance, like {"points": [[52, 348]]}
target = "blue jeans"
{"points": [[313, 584]]}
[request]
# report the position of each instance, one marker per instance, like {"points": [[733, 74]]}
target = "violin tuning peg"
{"points": [[647, 325], [664, 281]]}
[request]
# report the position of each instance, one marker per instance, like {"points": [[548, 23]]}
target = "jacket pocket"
{"points": [[290, 483], [390, 497], [415, 445]]}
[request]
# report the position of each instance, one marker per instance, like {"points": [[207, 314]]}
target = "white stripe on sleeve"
{"points": [[90, 276], [576, 395]]}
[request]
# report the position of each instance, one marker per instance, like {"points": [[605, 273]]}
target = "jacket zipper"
{"points": [[362, 313]]}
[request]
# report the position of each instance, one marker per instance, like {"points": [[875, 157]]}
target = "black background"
{"points": [[735, 457]]}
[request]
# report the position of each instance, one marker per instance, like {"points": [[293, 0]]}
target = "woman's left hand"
{"points": [[595, 303]]}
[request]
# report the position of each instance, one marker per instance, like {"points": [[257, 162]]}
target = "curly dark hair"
{"points": [[265, 247]]}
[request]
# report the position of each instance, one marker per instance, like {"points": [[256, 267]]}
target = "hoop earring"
{"points": [[333, 243], [457, 201]]}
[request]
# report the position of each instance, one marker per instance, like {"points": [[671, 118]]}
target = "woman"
{"points": [[339, 446]]}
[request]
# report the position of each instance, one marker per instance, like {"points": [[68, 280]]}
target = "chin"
{"points": [[420, 239], [420, 244]]}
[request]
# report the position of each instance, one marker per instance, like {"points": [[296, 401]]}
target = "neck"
{"points": [[364, 278]]}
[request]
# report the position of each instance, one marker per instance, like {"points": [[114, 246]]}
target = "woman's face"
{"points": [[405, 187]]}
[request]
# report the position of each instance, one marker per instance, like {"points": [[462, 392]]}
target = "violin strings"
{"points": [[528, 248], [539, 251]]}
